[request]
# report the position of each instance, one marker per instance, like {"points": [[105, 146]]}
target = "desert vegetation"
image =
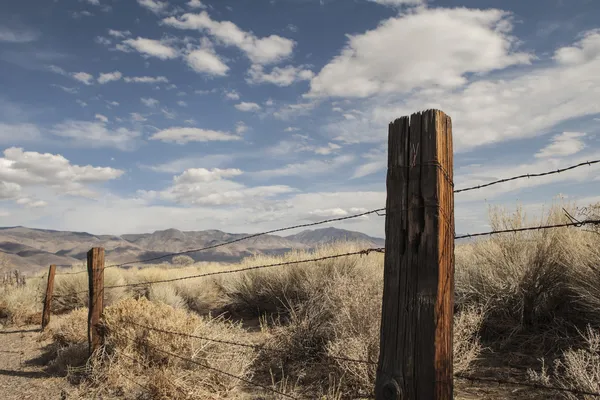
{"points": [[530, 299]]}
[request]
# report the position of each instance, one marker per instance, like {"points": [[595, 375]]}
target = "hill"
{"points": [[30, 249]]}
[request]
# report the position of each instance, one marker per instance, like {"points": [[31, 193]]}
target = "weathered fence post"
{"points": [[95, 265], [48, 298], [415, 360]]}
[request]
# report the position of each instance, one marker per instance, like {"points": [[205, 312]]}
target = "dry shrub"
{"points": [[527, 281], [577, 369], [68, 352], [71, 291], [182, 260], [162, 293], [139, 353], [275, 291], [466, 341], [22, 304]]}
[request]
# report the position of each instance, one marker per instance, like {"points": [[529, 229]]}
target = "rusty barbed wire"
{"points": [[247, 345], [557, 171], [247, 381]]}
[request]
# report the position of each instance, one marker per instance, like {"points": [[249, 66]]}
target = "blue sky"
{"points": [[124, 116]]}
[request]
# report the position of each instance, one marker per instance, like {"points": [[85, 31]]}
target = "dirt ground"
{"points": [[23, 375]]}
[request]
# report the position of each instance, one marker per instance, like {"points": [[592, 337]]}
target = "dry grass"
{"points": [[530, 291]]}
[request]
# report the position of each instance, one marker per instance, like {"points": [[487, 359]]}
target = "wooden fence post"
{"points": [[95, 265], [415, 360], [48, 298]]}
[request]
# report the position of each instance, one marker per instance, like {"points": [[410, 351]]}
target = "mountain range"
{"points": [[30, 250]]}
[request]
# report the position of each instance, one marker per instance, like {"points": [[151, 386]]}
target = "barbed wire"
{"points": [[247, 345], [557, 171], [361, 252], [531, 228], [526, 384], [247, 381], [247, 237]]}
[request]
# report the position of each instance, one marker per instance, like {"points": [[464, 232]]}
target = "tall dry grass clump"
{"points": [[135, 361], [22, 304], [532, 281]]}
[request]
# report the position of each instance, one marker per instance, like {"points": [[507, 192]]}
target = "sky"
{"points": [[130, 116]]}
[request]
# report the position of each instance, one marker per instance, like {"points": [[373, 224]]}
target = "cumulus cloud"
{"points": [[203, 187], [521, 104], [146, 79], [20, 168], [195, 4], [248, 106], [149, 47], [468, 40], [118, 34], [96, 134], [206, 61], [109, 77], [101, 117], [83, 77], [155, 6], [309, 167], [278, 76], [564, 144], [182, 135], [232, 95], [264, 50], [149, 101]]}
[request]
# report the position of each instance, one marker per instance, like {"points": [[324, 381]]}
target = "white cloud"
{"points": [[265, 50], [9, 190], [146, 79], [149, 101], [197, 175], [109, 77], [584, 51], [96, 134], [83, 77], [309, 167], [81, 103], [206, 61], [93, 2], [103, 40], [118, 34], [565, 144], [137, 117], [203, 187], [65, 89], [149, 47], [195, 4], [514, 106], [247, 107], [232, 95], [181, 135], [240, 127], [468, 40], [291, 129], [154, 5], [11, 133], [181, 164], [20, 168], [30, 203], [17, 36], [168, 114], [182, 103], [278, 76], [101, 117]]}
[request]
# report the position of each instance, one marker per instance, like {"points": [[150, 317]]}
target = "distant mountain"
{"points": [[30, 250], [312, 238]]}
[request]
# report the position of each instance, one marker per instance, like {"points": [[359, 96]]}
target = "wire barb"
{"points": [[558, 171]]}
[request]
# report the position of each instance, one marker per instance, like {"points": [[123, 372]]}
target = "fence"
{"points": [[13, 278], [415, 360]]}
